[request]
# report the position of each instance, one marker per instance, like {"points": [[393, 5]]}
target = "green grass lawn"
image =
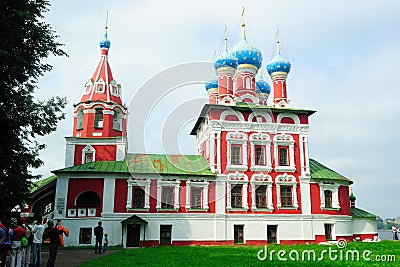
{"points": [[247, 255]]}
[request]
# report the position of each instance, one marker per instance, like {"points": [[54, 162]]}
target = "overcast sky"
{"points": [[344, 56]]}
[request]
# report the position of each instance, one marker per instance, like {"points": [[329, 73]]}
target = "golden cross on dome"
{"points": [[243, 25], [278, 45], [226, 39], [106, 23]]}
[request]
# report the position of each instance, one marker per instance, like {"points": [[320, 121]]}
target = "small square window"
{"points": [[81, 212]]}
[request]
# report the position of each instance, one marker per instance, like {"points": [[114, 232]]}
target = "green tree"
{"points": [[26, 40]]}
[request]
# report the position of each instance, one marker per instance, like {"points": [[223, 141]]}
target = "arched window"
{"points": [[236, 196], [286, 196], [117, 120], [328, 198], [248, 83], [283, 156], [98, 118], [261, 196], [138, 198], [79, 120], [87, 199], [167, 198]]}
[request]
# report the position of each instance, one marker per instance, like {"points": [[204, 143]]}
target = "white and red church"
{"points": [[251, 182]]}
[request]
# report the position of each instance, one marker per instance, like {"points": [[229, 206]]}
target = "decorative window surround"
{"points": [[294, 117], [231, 113], [204, 202], [247, 96], [257, 180], [288, 180], [170, 183], [81, 212], [100, 86], [264, 141], [91, 212], [236, 138], [88, 150], [227, 100], [71, 212], [233, 179], [264, 114], [335, 195], [145, 184], [284, 140], [88, 88]]}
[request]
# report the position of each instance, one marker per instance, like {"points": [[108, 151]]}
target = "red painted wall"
{"points": [[80, 185], [120, 195], [103, 152], [344, 201]]}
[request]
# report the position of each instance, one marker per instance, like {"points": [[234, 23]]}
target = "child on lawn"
{"points": [[105, 247]]}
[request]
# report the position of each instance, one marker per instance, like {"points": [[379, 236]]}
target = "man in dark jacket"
{"points": [[53, 234], [98, 232]]}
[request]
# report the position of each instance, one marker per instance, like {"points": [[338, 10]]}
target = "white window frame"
{"points": [[236, 138], [103, 84], [235, 179], [334, 188], [286, 180], [263, 140], [82, 212], [117, 121], [71, 212], [86, 150], [88, 88], [138, 182], [168, 183], [287, 141], [257, 180], [91, 212], [204, 195], [114, 89]]}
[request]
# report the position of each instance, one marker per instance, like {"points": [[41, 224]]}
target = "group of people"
{"points": [[18, 240], [396, 232], [98, 233]]}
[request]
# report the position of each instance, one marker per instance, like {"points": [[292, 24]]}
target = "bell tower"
{"points": [[99, 131]]}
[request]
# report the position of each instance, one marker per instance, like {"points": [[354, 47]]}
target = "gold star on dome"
{"points": [[245, 58]]}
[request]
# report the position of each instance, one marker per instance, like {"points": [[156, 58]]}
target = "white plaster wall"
{"points": [[364, 226]]}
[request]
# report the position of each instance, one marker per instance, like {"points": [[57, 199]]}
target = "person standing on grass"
{"points": [[64, 230], [53, 234], [105, 243], [37, 230], [98, 232], [16, 248]]}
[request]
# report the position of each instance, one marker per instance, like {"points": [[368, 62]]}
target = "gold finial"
{"points": [[215, 54], [278, 44], [106, 27], [226, 39], [243, 25]]}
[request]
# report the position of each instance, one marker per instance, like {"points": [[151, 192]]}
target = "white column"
{"points": [[270, 204], [212, 151], [278, 196], [228, 196], [335, 198], [245, 155], [301, 145], [187, 206], [61, 196], [245, 202], [219, 152], [147, 194], [108, 194], [306, 155], [252, 154], [296, 204], [253, 197], [158, 194], [268, 155], [69, 154], [176, 200], [129, 195], [205, 197], [291, 152]]}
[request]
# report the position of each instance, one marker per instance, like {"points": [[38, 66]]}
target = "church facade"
{"points": [[251, 182]]}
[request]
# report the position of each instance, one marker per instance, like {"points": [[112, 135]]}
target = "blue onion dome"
{"points": [[226, 60], [105, 43], [278, 63], [211, 85], [262, 87], [246, 53]]}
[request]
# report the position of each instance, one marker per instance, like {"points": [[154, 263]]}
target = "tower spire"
{"points": [[278, 44], [243, 25], [226, 39]]}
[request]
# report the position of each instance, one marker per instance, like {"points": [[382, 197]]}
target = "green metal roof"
{"points": [[148, 163], [41, 183], [359, 213], [319, 171]]}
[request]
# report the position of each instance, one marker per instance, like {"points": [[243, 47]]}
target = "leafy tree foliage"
{"points": [[26, 40]]}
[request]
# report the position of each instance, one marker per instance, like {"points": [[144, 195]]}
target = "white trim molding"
{"points": [[236, 138], [234, 179], [144, 184], [232, 113], [334, 188], [257, 180], [168, 183], [204, 195], [88, 150], [286, 180], [260, 139], [284, 140]]}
